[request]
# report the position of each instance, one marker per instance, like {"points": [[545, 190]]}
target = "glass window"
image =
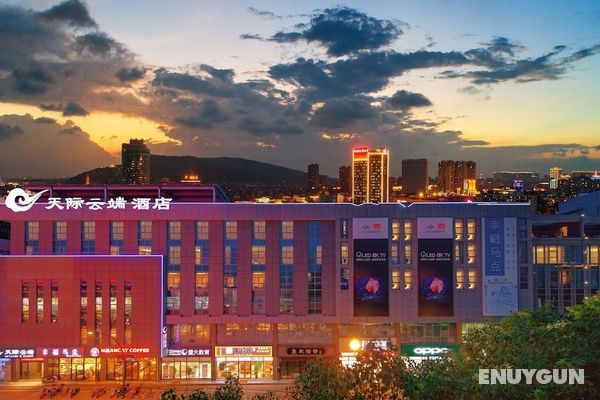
{"points": [[88, 230], [471, 253], [407, 229], [458, 229], [344, 229], [287, 255], [407, 254], [344, 278], [25, 301], [395, 250], [60, 230], [230, 230], [174, 230], [174, 255], [287, 230], [472, 279], [395, 278], [395, 229], [145, 230], [258, 230], [408, 279], [286, 289], [344, 253], [470, 229], [116, 230], [54, 301], [460, 278], [201, 230], [32, 230], [258, 255]]}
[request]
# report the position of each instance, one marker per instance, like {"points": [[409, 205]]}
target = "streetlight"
{"points": [[121, 348]]}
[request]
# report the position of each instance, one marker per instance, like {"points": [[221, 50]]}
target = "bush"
{"points": [[231, 390], [266, 396], [198, 394]]}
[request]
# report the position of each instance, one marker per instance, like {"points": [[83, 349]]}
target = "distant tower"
{"points": [[370, 171], [345, 174], [415, 176], [313, 177], [135, 162]]}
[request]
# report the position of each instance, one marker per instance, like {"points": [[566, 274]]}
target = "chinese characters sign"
{"points": [[118, 203], [494, 246], [17, 353], [305, 351], [66, 352], [187, 352]]}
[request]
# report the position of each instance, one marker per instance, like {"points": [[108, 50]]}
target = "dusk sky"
{"points": [[512, 85]]}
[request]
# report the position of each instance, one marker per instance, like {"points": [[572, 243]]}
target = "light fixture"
{"points": [[354, 344]]}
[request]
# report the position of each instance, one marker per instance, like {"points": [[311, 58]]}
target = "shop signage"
{"points": [[228, 351], [187, 352], [19, 352], [97, 351], [305, 351], [67, 352], [427, 350], [18, 200], [376, 343]]}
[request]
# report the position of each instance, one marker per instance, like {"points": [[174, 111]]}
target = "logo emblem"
{"points": [[19, 201], [94, 352]]}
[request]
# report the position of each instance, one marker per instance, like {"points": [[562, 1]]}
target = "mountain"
{"points": [[210, 170]]}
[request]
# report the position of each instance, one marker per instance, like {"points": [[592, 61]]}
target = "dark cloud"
{"points": [[403, 99], [251, 36], [263, 13], [69, 109], [343, 31], [340, 112], [99, 43], [260, 127], [33, 80], [72, 12], [45, 120], [208, 114], [130, 74], [191, 83], [226, 75], [9, 131], [505, 46]]}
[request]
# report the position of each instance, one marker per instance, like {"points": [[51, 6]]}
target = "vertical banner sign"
{"points": [[371, 281], [500, 286], [436, 260]]}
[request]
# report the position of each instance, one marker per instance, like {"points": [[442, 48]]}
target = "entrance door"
{"points": [[245, 369], [31, 369]]}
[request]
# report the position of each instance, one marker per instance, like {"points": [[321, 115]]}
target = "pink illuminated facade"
{"points": [[213, 288]]}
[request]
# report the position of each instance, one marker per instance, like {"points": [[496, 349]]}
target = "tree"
{"points": [[322, 380], [231, 390]]}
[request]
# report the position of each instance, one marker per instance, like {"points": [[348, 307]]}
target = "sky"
{"points": [[512, 85]]}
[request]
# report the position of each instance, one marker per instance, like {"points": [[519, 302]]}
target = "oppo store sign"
{"points": [[409, 350]]}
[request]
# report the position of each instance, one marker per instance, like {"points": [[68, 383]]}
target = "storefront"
{"points": [[349, 348], [22, 361], [247, 362], [136, 363], [187, 363], [423, 351], [294, 360], [69, 364]]}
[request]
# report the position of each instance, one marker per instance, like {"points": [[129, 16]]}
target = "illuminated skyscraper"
{"points": [[135, 162], [456, 176], [415, 176], [313, 177], [370, 171], [345, 174], [555, 174]]}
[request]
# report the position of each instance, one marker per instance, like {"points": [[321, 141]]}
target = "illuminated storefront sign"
{"points": [[189, 352], [66, 352], [232, 351], [305, 351], [17, 352], [427, 350], [18, 200], [97, 351]]}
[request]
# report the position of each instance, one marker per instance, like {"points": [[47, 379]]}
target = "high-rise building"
{"points": [[555, 174], [345, 174], [456, 176], [135, 162], [415, 176], [370, 171], [313, 177]]}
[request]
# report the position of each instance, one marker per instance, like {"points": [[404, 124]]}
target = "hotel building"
{"points": [[370, 172], [173, 282]]}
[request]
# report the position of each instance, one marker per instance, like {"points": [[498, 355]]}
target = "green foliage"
{"points": [[231, 390], [198, 394], [322, 380], [266, 396], [169, 394]]}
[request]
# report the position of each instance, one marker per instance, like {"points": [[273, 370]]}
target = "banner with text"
{"points": [[436, 276], [500, 275], [371, 295]]}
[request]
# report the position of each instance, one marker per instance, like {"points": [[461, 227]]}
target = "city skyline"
{"points": [[500, 84]]}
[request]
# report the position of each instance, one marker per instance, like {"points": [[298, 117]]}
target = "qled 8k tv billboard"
{"points": [[371, 295], [436, 277]]}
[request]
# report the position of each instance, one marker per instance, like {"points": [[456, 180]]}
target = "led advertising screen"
{"points": [[371, 297], [436, 277]]}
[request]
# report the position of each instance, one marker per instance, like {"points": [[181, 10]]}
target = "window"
{"points": [[287, 230], [258, 255], [201, 298], [458, 253], [395, 230], [201, 230], [344, 253], [395, 252], [458, 229], [54, 301], [128, 308], [287, 255], [286, 289], [470, 229], [98, 312], [145, 230], [113, 309], [472, 279], [314, 267], [230, 230], [174, 230], [116, 237], [201, 252], [24, 301], [258, 230], [83, 311], [460, 278], [173, 285], [395, 278], [407, 229], [344, 229], [88, 237], [407, 254], [471, 253], [60, 237], [32, 237], [408, 279], [174, 255], [344, 278], [258, 289], [39, 295]]}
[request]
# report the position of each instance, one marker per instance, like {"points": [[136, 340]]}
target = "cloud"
{"points": [[99, 43], [206, 115], [32, 81], [343, 31], [341, 112], [403, 99], [69, 109], [259, 127], [9, 131], [265, 145], [505, 46], [339, 136], [45, 120], [263, 13], [72, 12], [130, 74]]}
